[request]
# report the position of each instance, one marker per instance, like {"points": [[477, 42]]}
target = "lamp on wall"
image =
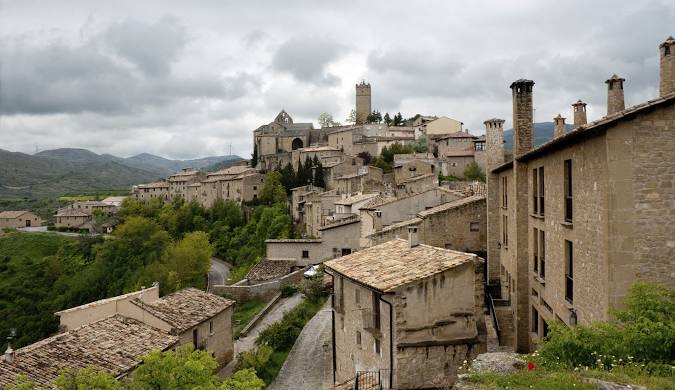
{"points": [[573, 317]]}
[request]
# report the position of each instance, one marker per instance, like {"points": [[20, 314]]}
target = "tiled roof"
{"points": [[355, 199], [159, 184], [393, 264], [458, 134], [323, 148], [268, 269], [451, 205], [295, 240], [235, 170], [354, 218], [114, 344], [592, 128], [68, 212], [13, 214], [416, 178], [186, 308]]}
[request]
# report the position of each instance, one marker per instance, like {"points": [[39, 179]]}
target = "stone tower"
{"points": [[494, 142], [667, 67], [558, 126], [523, 116], [363, 107], [615, 102], [579, 113], [494, 145]]}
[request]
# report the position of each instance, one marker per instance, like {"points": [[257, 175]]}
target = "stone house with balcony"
{"points": [[407, 312], [573, 223]]}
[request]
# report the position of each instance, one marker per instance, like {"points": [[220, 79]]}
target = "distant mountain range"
{"points": [[543, 131], [62, 171]]}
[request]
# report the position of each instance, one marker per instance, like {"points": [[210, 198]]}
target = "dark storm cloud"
{"points": [[306, 58], [124, 69]]}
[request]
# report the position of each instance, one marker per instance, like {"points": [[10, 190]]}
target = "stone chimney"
{"points": [[615, 102], [667, 67], [494, 142], [579, 113], [558, 126], [413, 237], [523, 116], [9, 354], [377, 220]]}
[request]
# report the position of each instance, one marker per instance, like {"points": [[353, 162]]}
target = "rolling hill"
{"points": [[543, 131], [56, 172]]}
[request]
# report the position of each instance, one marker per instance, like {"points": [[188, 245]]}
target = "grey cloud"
{"points": [[306, 58]]}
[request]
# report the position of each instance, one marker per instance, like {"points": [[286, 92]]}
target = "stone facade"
{"points": [[583, 216], [412, 168], [615, 100], [667, 67], [363, 102], [303, 251], [147, 192], [19, 219], [416, 330]]}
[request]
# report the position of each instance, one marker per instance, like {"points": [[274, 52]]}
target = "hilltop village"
{"points": [[436, 245]]}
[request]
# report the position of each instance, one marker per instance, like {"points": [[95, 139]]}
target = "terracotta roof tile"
{"points": [[393, 264], [186, 308], [268, 269], [114, 344], [12, 214]]}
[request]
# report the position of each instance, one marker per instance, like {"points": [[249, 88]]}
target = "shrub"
{"points": [[51, 228], [643, 332], [288, 290], [314, 288]]}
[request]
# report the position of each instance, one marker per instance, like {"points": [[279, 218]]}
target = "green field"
{"points": [[245, 312]]}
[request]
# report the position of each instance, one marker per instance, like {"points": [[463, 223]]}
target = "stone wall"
{"points": [[242, 291]]}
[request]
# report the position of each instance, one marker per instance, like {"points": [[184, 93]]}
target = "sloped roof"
{"points": [[159, 184], [458, 134], [460, 153], [114, 344], [393, 264], [186, 308], [350, 200], [13, 214], [451, 205], [268, 269], [68, 212]]}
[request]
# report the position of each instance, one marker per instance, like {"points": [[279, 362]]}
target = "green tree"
{"points": [[243, 380], [184, 368], [89, 378], [473, 171], [190, 258], [387, 119], [326, 120], [319, 179], [351, 119], [365, 156], [421, 145], [398, 119], [288, 177], [374, 117], [254, 156], [273, 192]]}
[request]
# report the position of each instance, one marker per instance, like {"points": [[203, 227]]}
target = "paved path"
{"points": [[219, 272], [309, 364], [247, 343]]}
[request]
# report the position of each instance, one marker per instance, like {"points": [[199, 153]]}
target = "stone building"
{"points": [[366, 179], [72, 218], [178, 182], [363, 102], [194, 316], [334, 168], [438, 126], [459, 225], [275, 141], [406, 313], [147, 192], [18, 219], [576, 221], [404, 170], [416, 185]]}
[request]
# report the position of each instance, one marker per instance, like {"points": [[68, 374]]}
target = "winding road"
{"points": [[219, 272]]}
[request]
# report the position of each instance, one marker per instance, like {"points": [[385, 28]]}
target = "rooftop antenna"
{"points": [[230, 153]]}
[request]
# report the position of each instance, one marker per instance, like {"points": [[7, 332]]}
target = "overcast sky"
{"points": [[184, 79]]}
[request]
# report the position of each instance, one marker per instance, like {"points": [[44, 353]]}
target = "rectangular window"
{"points": [[505, 192], [210, 327], [357, 296], [569, 271], [535, 192], [505, 230], [376, 310], [535, 250], [541, 190], [377, 346], [358, 338], [474, 226], [305, 254], [568, 190], [346, 251], [535, 320], [542, 254]]}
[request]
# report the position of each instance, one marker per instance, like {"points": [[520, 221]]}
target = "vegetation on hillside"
{"points": [[311, 172], [385, 160], [183, 368]]}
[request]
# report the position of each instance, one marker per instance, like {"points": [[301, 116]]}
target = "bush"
{"points": [[644, 332], [62, 229], [314, 288], [288, 290], [51, 228]]}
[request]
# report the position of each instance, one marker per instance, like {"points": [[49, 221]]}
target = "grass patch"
{"points": [[245, 312]]}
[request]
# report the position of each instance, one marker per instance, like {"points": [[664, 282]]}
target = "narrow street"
{"points": [[247, 343], [219, 272], [309, 364]]}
